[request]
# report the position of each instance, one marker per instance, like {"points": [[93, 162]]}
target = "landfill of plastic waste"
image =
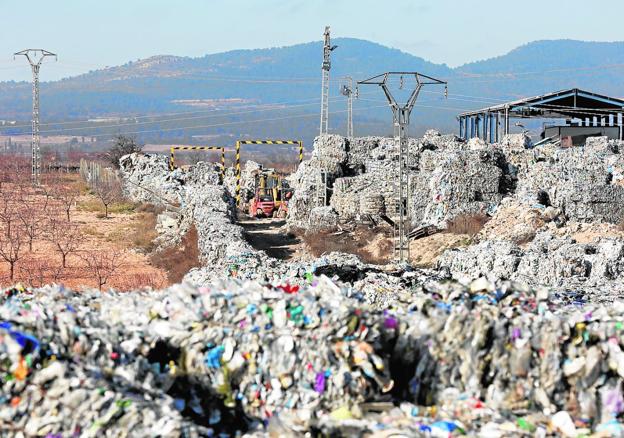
{"points": [[442, 359], [335, 347]]}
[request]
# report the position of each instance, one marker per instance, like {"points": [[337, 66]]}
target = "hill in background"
{"points": [[275, 92]]}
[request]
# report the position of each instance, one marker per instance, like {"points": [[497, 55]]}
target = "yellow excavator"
{"points": [[271, 195]]}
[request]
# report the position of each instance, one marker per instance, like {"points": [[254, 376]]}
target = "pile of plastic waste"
{"points": [[281, 359]]}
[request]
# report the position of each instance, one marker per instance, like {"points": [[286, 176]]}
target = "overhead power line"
{"points": [[267, 107], [237, 122]]}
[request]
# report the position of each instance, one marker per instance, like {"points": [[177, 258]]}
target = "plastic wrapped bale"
{"points": [[515, 142], [511, 359], [305, 183], [597, 145], [328, 158], [330, 151], [420, 198], [345, 198], [323, 218], [477, 144], [358, 151], [372, 204], [147, 178], [248, 179], [491, 259], [452, 183], [582, 185], [433, 140], [553, 261], [204, 173]]}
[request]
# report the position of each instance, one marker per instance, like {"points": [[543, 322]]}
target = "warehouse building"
{"points": [[584, 114]]}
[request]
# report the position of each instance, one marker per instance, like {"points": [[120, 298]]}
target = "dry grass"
{"points": [[118, 236], [92, 231], [94, 205], [144, 232], [371, 245], [178, 260], [149, 208], [141, 280], [469, 224]]}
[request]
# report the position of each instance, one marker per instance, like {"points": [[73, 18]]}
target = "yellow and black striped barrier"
{"points": [[198, 148], [238, 166]]}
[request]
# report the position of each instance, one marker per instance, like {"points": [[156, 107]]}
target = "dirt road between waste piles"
{"points": [[267, 234]]}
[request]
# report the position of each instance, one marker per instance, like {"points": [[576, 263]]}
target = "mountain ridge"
{"points": [[271, 76]]}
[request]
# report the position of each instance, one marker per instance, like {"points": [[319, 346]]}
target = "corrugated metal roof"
{"points": [[565, 103]]}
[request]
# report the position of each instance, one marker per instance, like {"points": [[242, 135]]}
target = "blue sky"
{"points": [[89, 34]]}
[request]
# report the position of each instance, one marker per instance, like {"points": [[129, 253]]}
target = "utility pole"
{"points": [[35, 58], [327, 49], [347, 90], [401, 119]]}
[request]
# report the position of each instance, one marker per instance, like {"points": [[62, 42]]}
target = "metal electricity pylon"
{"points": [[327, 49], [35, 58], [347, 90], [401, 119]]}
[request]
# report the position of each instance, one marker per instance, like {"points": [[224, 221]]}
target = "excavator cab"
{"points": [[271, 195]]}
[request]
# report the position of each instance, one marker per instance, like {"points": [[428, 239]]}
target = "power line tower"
{"points": [[327, 49], [35, 58], [347, 90], [401, 119]]}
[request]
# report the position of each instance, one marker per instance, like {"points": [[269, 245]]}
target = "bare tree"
{"points": [[5, 170], [30, 217], [123, 146], [102, 264], [39, 271], [12, 168], [65, 236], [10, 248], [8, 209], [108, 190], [65, 194]]}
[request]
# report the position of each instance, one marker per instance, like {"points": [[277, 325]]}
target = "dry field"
{"points": [[58, 234]]}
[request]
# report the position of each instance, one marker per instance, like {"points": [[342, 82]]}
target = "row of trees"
{"points": [[33, 221], [103, 182], [40, 240]]}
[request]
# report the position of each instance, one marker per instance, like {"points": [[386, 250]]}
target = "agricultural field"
{"points": [[61, 232]]}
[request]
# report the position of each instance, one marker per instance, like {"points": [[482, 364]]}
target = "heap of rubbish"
{"points": [[485, 359], [451, 177], [190, 197], [520, 332]]}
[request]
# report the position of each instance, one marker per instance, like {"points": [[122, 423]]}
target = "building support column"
{"points": [[484, 130], [506, 120], [481, 123]]}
